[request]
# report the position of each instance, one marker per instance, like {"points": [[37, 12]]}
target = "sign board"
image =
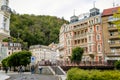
{"points": [[32, 59]]}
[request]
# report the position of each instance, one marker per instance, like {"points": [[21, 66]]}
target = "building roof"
{"points": [[110, 11]]}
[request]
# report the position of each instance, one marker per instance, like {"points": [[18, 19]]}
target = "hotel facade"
{"points": [[85, 33]]}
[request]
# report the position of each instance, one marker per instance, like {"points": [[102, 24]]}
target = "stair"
{"points": [[58, 70], [45, 70]]}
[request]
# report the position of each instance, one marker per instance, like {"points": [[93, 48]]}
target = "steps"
{"points": [[58, 70], [45, 70]]}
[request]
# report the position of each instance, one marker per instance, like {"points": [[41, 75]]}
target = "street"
{"points": [[26, 76], [31, 77]]}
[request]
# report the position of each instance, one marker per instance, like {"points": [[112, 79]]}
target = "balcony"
{"points": [[112, 28], [115, 45], [91, 54], [114, 37], [80, 36], [111, 19], [5, 8], [113, 54], [4, 33]]}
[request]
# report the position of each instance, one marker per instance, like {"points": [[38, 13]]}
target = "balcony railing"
{"points": [[115, 54], [81, 35], [114, 37], [6, 8], [111, 19], [115, 45], [112, 28]]}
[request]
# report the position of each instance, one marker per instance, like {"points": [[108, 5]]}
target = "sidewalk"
{"points": [[3, 76]]}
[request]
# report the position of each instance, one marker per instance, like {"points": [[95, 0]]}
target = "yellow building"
{"points": [[111, 36]]}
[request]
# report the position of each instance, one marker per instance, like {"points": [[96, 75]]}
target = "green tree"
{"points": [[19, 58], [4, 62], [33, 29], [77, 54], [117, 65], [116, 17]]}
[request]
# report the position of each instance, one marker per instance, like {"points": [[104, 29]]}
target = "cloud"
{"points": [[60, 8]]}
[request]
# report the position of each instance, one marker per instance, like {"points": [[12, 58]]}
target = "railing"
{"points": [[82, 63]]}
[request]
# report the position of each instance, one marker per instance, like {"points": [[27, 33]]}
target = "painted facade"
{"points": [[85, 33]]}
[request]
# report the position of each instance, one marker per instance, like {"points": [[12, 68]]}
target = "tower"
{"points": [[4, 22]]}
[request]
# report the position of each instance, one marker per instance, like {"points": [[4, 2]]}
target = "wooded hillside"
{"points": [[36, 29]]}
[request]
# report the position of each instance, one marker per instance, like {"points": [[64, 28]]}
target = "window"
{"points": [[98, 37], [89, 38], [90, 48], [90, 29], [9, 48], [68, 42], [4, 23], [9, 53], [113, 50], [112, 42], [98, 47], [111, 33], [97, 28]]}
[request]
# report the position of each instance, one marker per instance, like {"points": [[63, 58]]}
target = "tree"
{"points": [[4, 62], [17, 59], [77, 54], [117, 64], [34, 29], [116, 17]]}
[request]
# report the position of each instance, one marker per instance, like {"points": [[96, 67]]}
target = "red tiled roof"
{"points": [[110, 11]]}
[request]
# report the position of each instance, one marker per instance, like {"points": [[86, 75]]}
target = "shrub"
{"points": [[79, 74], [117, 65]]}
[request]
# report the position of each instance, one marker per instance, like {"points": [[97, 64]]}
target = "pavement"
{"points": [[3, 75], [26, 76]]}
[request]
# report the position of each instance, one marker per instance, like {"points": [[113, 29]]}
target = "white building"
{"points": [[43, 53], [4, 21], [8, 48]]}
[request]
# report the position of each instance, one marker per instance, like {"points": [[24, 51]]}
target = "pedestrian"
{"points": [[40, 69], [32, 69], [23, 67], [6, 69], [20, 69]]}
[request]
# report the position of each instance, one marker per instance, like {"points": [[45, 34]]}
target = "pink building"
{"points": [[85, 33]]}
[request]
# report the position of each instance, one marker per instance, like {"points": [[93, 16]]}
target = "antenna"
{"points": [[117, 4], [94, 4], [113, 3], [74, 12]]}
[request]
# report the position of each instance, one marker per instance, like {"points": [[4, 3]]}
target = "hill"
{"points": [[34, 29]]}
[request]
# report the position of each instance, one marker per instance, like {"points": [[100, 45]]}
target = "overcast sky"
{"points": [[59, 8]]}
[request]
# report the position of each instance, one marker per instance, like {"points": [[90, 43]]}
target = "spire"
{"points": [[94, 4], [113, 3]]}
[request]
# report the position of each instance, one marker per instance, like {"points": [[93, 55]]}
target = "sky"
{"points": [[59, 8]]}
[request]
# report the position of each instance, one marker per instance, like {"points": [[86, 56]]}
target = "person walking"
{"points": [[6, 69], [20, 69], [32, 69], [40, 69]]}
